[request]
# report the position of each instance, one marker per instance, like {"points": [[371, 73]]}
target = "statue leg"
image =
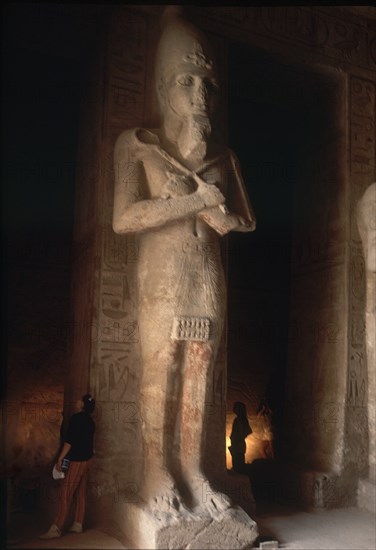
{"points": [[159, 391], [199, 362]]}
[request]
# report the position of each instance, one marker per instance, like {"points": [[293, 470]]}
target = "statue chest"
{"points": [[164, 178]]}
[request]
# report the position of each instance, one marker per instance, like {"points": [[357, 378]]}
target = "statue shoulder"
{"points": [[137, 141], [126, 140]]}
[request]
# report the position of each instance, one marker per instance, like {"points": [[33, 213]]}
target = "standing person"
{"points": [[264, 412], [78, 449], [240, 430]]}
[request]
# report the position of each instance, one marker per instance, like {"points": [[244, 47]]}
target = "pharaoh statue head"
{"points": [[186, 81], [367, 226]]}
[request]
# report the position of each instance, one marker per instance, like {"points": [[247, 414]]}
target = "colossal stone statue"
{"points": [[181, 192], [367, 229]]}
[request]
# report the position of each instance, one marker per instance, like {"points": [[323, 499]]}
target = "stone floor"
{"points": [[337, 529], [25, 529]]}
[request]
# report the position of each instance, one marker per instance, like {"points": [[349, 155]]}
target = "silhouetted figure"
{"points": [[240, 430], [265, 414]]}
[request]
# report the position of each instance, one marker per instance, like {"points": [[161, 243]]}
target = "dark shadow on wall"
{"points": [[41, 90], [283, 128], [263, 129]]}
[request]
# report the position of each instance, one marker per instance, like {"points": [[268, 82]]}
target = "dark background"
{"points": [[266, 118], [45, 49]]}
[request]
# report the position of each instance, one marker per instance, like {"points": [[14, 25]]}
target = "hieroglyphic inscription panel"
{"points": [[316, 369], [362, 174], [333, 37], [115, 370], [362, 136]]}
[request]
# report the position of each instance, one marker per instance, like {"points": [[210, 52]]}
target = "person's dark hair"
{"points": [[89, 403], [240, 410]]}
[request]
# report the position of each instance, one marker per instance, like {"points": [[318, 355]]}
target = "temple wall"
{"points": [[327, 280], [325, 426], [326, 385]]}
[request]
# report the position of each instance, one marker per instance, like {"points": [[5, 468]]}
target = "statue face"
{"points": [[192, 93]]}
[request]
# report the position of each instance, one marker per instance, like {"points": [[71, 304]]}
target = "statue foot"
{"points": [[167, 503], [162, 495], [206, 498]]}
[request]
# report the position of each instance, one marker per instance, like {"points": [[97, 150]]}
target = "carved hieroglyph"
{"points": [[360, 427], [182, 193], [367, 229]]}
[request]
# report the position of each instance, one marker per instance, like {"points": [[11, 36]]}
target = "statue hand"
{"points": [[245, 225], [223, 222], [176, 186], [211, 195]]}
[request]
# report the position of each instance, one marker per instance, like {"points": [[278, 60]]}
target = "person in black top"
{"points": [[240, 430], [78, 450]]}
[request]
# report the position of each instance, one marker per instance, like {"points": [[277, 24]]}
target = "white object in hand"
{"points": [[56, 474]]}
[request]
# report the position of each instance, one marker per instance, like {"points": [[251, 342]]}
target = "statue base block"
{"points": [[367, 495], [230, 529]]}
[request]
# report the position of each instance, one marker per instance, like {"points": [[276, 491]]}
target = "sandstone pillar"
{"points": [[367, 229], [106, 342]]}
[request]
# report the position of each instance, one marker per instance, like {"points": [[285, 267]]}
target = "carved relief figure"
{"points": [[367, 230], [181, 192]]}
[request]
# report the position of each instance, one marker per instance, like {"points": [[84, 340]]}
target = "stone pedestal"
{"points": [[238, 488], [231, 528], [367, 495]]}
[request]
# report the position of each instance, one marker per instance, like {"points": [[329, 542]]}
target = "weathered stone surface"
{"points": [[231, 528], [269, 545], [367, 495], [358, 440], [367, 230], [366, 218], [182, 193]]}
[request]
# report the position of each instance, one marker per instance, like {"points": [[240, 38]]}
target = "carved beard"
{"points": [[193, 138]]}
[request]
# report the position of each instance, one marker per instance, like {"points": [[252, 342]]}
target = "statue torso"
{"points": [[180, 262]]}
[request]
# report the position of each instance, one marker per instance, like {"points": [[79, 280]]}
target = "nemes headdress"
{"points": [[182, 48]]}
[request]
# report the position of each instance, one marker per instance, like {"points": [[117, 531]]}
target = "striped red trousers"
{"points": [[74, 485]]}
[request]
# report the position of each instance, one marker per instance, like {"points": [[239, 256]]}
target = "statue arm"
{"points": [[239, 216], [134, 211], [237, 198], [224, 223]]}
